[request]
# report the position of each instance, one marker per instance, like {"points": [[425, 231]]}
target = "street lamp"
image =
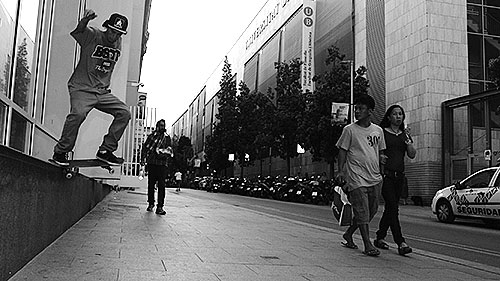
{"points": [[351, 70]]}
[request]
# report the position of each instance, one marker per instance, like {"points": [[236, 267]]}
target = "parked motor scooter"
{"points": [[318, 195], [288, 191]]}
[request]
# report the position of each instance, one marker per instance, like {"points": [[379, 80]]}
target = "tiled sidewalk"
{"points": [[207, 240]]}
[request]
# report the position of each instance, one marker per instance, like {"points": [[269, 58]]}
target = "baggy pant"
{"points": [[81, 104]]}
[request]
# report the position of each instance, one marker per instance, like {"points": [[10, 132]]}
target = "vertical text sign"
{"points": [[308, 24]]}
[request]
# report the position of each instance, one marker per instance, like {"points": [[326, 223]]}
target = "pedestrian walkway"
{"points": [[207, 240]]}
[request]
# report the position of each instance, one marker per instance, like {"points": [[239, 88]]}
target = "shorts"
{"points": [[364, 201]]}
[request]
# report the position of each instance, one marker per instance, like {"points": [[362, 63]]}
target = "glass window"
{"points": [[474, 1], [490, 86], [494, 107], [475, 57], [25, 57], [477, 114], [3, 122], [460, 131], [267, 69], [492, 50], [491, 21], [494, 3], [479, 180], [474, 19], [19, 132], [250, 72], [497, 182], [292, 38], [7, 22], [475, 87]]}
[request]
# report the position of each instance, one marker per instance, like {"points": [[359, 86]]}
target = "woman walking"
{"points": [[398, 144]]}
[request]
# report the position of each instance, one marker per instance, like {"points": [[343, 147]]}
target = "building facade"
{"points": [[418, 53], [37, 57]]}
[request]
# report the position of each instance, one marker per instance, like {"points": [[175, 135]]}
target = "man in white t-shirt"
{"points": [[361, 148]]}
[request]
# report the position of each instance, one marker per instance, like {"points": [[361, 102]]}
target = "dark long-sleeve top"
{"points": [[150, 152]]}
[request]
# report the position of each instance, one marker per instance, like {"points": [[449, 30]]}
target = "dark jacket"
{"points": [[150, 151]]}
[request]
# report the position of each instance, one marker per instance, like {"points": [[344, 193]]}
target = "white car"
{"points": [[477, 196]]}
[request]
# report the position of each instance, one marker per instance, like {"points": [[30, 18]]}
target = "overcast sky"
{"points": [[187, 41]]}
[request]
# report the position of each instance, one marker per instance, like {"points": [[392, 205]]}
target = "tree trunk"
{"points": [[288, 165]]}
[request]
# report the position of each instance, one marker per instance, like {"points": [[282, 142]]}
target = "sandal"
{"points": [[381, 244], [349, 245], [372, 252]]}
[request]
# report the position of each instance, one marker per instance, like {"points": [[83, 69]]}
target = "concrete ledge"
{"points": [[37, 205]]}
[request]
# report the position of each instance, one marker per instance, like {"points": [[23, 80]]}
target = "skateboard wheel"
{"points": [[69, 175]]}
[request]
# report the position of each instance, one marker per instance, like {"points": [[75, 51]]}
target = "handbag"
{"points": [[341, 207]]}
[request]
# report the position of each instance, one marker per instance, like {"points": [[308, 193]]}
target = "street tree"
{"points": [[247, 127], [224, 138], [183, 153], [256, 113], [265, 112], [290, 106], [317, 132]]}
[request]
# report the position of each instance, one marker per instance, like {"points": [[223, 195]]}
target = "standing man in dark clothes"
{"points": [[156, 152]]}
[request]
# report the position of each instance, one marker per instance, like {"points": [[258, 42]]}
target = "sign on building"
{"points": [[308, 24]]}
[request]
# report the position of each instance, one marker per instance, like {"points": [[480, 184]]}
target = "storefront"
{"points": [[471, 134]]}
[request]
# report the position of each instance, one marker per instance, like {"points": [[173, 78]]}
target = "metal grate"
{"points": [[141, 125]]}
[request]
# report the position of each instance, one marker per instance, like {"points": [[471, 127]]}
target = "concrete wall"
{"points": [[426, 64], [37, 205]]}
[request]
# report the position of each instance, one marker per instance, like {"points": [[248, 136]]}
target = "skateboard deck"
{"points": [[73, 168]]}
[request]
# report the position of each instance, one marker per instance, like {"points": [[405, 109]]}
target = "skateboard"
{"points": [[74, 166]]}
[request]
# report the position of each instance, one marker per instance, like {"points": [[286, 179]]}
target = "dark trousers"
{"points": [[157, 174], [391, 191]]}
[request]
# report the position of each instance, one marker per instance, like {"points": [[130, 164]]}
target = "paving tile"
{"points": [[64, 274], [134, 275]]}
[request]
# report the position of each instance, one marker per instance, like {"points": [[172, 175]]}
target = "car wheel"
{"points": [[444, 211]]}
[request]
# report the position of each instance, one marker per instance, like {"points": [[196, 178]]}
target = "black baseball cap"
{"points": [[117, 22]]}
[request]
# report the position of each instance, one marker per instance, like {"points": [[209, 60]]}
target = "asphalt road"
{"points": [[469, 240]]}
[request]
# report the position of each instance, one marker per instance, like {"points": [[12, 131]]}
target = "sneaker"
{"points": [[109, 157], [404, 249], [60, 159], [150, 208], [160, 211]]}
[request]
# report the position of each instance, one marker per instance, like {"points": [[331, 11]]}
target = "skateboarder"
{"points": [[89, 86]]}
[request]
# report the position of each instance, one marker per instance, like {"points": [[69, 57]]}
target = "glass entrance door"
{"points": [[478, 137]]}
